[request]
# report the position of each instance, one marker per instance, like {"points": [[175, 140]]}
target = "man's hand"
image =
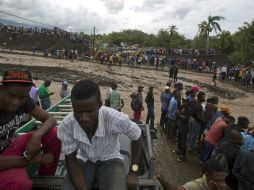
{"points": [[159, 175], [45, 159], [33, 145], [132, 181]]}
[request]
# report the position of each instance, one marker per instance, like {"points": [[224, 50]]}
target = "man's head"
{"points": [[178, 86], [243, 122], [47, 83], [86, 102], [140, 88], [167, 89], [231, 120], [226, 111], [15, 89], [215, 174], [185, 103], [201, 97], [177, 94], [213, 100], [193, 94], [168, 83], [236, 137], [150, 87], [113, 86]]}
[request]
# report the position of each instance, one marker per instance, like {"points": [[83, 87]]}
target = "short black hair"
{"points": [[231, 118], [209, 100], [113, 85], [214, 100], [200, 94], [86, 89], [212, 165]]}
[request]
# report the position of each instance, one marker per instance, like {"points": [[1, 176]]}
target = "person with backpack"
{"points": [[137, 103]]}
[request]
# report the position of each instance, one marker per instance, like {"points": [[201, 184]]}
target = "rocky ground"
{"points": [[128, 78]]}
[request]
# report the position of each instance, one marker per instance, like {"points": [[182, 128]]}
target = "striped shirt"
{"points": [[105, 143]]}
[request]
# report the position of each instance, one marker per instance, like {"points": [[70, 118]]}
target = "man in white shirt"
{"points": [[91, 145], [223, 72]]}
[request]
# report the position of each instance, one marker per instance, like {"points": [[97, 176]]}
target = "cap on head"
{"points": [[243, 120], [17, 76], [65, 83], [166, 88], [140, 87], [195, 88]]}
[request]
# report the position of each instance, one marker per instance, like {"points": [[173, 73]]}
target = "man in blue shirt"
{"points": [[165, 98], [172, 114]]}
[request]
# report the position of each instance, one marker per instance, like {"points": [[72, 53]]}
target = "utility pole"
{"points": [[93, 40]]}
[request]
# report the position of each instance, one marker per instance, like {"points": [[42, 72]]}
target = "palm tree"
{"points": [[245, 32], [172, 30], [212, 23], [203, 28]]}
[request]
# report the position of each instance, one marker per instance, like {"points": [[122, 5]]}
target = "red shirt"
{"points": [[216, 132]]}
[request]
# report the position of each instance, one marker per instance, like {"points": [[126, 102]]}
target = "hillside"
{"points": [[27, 41]]}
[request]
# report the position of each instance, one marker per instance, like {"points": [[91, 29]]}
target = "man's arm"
{"points": [[75, 172], [122, 103], [41, 96], [166, 185], [48, 122], [7, 162], [136, 150]]}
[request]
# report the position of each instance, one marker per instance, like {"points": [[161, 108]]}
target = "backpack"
{"points": [[221, 157], [135, 105]]}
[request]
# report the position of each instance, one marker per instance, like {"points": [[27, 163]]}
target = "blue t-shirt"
{"points": [[248, 141], [172, 109], [165, 97]]}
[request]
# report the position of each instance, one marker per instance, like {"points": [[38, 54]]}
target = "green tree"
{"points": [[163, 38], [172, 31], [212, 24]]}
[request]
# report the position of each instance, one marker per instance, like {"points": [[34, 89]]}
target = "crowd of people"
{"points": [[40, 31], [190, 119], [197, 125], [242, 76]]}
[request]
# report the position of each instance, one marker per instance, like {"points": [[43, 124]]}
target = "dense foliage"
{"points": [[238, 46]]}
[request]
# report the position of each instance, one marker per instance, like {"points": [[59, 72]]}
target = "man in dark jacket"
{"points": [[149, 100], [244, 170], [231, 149]]}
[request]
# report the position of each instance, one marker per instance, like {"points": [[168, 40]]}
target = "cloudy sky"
{"points": [[116, 15]]}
